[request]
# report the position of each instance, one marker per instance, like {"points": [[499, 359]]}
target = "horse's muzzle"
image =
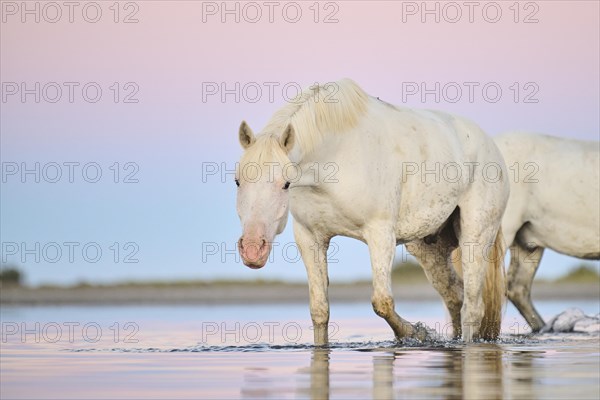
{"points": [[255, 253]]}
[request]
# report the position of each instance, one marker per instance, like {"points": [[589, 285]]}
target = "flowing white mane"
{"points": [[317, 111]]}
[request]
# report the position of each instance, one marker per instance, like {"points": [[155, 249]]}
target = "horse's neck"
{"points": [[295, 155]]}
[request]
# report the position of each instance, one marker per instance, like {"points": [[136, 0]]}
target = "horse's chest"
{"points": [[325, 215]]}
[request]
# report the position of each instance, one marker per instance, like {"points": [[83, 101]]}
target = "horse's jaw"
{"points": [[254, 266]]}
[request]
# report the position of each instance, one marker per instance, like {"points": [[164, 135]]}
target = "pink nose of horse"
{"points": [[254, 252]]}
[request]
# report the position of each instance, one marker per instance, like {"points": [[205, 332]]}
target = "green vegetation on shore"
{"points": [[10, 276], [581, 274], [403, 273], [411, 272]]}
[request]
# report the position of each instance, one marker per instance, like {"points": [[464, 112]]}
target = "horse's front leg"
{"points": [[314, 255], [382, 246]]}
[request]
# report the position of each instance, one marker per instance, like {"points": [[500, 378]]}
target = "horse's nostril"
{"points": [[240, 243], [264, 242]]}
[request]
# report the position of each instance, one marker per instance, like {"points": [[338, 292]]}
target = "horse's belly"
{"points": [[574, 240], [426, 219]]}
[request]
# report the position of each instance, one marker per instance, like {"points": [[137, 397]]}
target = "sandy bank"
{"points": [[243, 293]]}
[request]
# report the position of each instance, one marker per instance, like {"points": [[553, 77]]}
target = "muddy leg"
{"points": [[436, 260], [523, 266], [382, 247], [314, 256]]}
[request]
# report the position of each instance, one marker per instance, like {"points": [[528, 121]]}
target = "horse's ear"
{"points": [[288, 138], [246, 135]]}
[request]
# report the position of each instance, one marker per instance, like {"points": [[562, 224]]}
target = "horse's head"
{"points": [[262, 197]]}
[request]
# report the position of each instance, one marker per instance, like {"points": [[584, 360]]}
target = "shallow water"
{"points": [[259, 351]]}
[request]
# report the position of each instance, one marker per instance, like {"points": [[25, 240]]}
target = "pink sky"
{"points": [[171, 52]]}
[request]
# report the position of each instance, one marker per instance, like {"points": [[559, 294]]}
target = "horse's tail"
{"points": [[494, 290]]}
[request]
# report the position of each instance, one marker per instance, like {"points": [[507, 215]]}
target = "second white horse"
{"points": [[554, 203]]}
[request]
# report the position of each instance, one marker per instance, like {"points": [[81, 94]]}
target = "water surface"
{"points": [[259, 351]]}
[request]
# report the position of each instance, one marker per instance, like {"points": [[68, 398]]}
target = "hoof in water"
{"points": [[421, 333]]}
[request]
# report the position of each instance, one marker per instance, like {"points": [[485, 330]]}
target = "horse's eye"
{"points": [[237, 183], [286, 186]]}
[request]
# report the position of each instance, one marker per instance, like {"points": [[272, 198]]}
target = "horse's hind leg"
{"points": [[436, 261], [523, 266], [382, 246], [475, 246]]}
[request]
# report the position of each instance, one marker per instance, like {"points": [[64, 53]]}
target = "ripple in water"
{"points": [[363, 346]]}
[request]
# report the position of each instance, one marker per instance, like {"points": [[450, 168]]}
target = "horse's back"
{"points": [[555, 191], [541, 143], [457, 138], [449, 152]]}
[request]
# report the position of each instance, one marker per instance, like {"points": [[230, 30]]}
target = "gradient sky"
{"points": [[170, 56]]}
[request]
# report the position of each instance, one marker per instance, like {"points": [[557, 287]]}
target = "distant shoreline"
{"points": [[218, 293]]}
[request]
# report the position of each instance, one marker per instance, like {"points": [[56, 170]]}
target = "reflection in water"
{"points": [[452, 382], [523, 369], [383, 377], [167, 362], [489, 371], [477, 371], [482, 373], [319, 374], [561, 370]]}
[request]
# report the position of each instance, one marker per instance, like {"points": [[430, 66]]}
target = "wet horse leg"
{"points": [[382, 246], [436, 260]]}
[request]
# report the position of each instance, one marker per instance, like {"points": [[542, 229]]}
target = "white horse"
{"points": [[554, 203], [346, 163]]}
